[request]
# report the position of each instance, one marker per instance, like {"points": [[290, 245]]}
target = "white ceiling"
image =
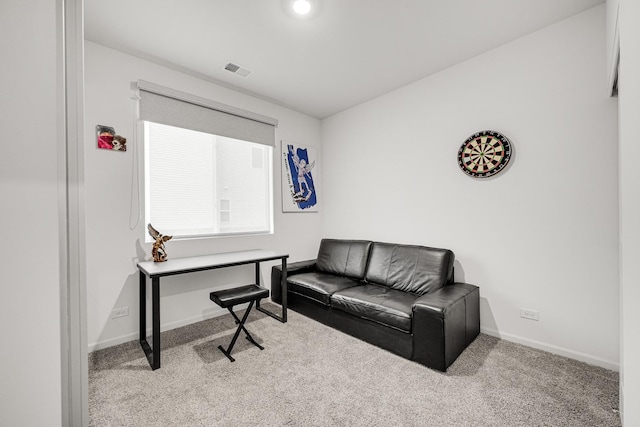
{"points": [[347, 52]]}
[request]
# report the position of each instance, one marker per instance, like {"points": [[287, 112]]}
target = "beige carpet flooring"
{"points": [[312, 375]]}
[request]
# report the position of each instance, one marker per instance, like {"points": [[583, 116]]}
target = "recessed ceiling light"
{"points": [[302, 7]]}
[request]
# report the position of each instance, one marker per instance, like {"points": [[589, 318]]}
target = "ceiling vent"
{"points": [[236, 69]]}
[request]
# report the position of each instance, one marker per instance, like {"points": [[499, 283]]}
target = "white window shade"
{"points": [[167, 106]]}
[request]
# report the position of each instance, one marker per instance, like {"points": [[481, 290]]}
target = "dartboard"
{"points": [[484, 154]]}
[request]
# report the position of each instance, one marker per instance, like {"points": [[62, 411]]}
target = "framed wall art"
{"points": [[108, 140], [299, 167]]}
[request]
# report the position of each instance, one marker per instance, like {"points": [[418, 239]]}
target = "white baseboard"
{"points": [[591, 360], [163, 327], [582, 357], [112, 342]]}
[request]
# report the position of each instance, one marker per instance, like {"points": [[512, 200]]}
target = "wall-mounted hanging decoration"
{"points": [[298, 187], [158, 251], [484, 154], [108, 140]]}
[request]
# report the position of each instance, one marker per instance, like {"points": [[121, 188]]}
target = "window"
{"points": [[207, 172], [199, 184]]}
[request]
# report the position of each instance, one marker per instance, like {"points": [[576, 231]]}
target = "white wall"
{"points": [[543, 234], [113, 248], [30, 372], [629, 106]]}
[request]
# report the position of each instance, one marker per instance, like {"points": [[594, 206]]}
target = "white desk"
{"points": [[171, 267]]}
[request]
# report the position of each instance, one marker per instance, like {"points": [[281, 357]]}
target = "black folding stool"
{"points": [[227, 298]]}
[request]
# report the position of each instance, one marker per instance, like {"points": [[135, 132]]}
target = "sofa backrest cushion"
{"points": [[415, 269], [343, 257]]}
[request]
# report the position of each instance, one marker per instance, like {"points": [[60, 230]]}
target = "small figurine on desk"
{"points": [[158, 252]]}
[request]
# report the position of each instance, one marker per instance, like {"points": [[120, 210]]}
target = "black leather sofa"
{"points": [[399, 297]]}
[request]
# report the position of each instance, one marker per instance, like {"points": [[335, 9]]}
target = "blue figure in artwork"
{"points": [[304, 193]]}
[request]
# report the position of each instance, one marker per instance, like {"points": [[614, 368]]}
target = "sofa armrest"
{"points": [[292, 268], [445, 322]]}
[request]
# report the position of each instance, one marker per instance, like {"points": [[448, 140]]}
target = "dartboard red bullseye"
{"points": [[484, 154]]}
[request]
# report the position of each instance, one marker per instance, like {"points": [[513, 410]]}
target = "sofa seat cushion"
{"points": [[319, 286], [380, 304]]}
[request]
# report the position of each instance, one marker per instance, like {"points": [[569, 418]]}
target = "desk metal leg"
{"points": [[155, 301], [152, 354], [257, 274], [143, 307], [283, 286]]}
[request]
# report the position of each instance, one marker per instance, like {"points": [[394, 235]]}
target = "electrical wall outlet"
{"points": [[120, 312], [529, 314]]}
